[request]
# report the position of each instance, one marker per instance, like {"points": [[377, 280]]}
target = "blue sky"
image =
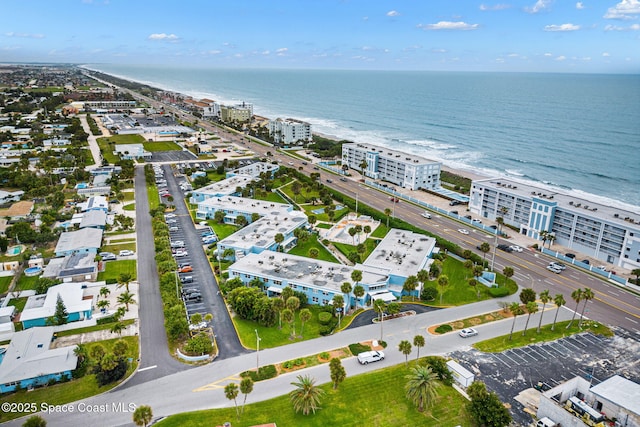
{"points": [[504, 35]]}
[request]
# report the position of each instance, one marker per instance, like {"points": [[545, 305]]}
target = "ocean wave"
{"points": [[514, 172]]}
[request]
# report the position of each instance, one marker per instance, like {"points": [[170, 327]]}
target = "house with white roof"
{"points": [[83, 240], [94, 203], [39, 308], [29, 362]]}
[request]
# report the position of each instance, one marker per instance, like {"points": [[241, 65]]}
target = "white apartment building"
{"points": [[289, 131], [406, 170], [603, 232]]}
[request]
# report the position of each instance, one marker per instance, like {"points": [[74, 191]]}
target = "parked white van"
{"points": [[370, 356]]}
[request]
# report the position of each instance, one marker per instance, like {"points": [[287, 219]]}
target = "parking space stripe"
{"points": [[522, 353], [496, 356], [566, 341], [593, 339], [517, 355], [543, 348], [563, 353], [507, 356], [576, 340], [536, 350]]}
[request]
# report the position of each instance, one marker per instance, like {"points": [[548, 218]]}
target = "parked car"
{"points": [[126, 252], [570, 255], [180, 253], [186, 279], [197, 326], [195, 297], [107, 256], [370, 356], [185, 269], [173, 228], [177, 244], [585, 261], [468, 332], [170, 215]]}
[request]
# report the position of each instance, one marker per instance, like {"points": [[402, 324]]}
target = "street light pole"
{"points": [[257, 351], [495, 244], [357, 194]]}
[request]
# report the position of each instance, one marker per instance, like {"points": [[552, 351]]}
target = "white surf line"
{"points": [[147, 368]]}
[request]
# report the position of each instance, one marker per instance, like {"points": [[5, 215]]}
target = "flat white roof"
{"points": [[304, 271], [249, 206], [391, 154], [226, 186], [403, 252], [262, 232], [621, 391], [79, 239], [44, 306]]}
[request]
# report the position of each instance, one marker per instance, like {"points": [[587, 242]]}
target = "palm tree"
{"points": [[356, 276], [246, 387], [278, 238], [231, 392], [531, 307], [123, 280], [288, 317], [346, 288], [423, 277], [516, 310], [559, 301], [126, 298], [103, 304], [474, 283], [117, 328], [468, 265], [352, 232], [379, 306], [363, 165], [305, 316], [314, 253], [367, 230], [405, 348], [293, 303], [104, 292], [443, 282], [484, 248], [387, 212], [550, 238], [338, 304], [421, 387], [544, 236], [278, 306], [418, 341], [577, 297], [143, 415], [306, 396], [508, 273], [337, 372], [225, 254], [358, 292], [545, 297], [500, 221], [587, 295], [636, 272], [410, 285]]}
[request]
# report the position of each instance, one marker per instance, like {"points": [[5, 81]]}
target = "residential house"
{"points": [[83, 240], [39, 308]]}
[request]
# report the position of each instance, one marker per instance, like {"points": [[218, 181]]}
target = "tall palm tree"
{"points": [[104, 292], [278, 238], [544, 236], [468, 265], [305, 316], [516, 310], [346, 288], [288, 317], [306, 396], [421, 387], [363, 165], [358, 292], [484, 248], [231, 392], [423, 277], [531, 308], [587, 295], [545, 297], [124, 279], [410, 285], [246, 387], [418, 341], [551, 238], [405, 348], [387, 212], [577, 297], [126, 298], [356, 276], [443, 282], [143, 415], [278, 306], [508, 273], [559, 301], [379, 306]]}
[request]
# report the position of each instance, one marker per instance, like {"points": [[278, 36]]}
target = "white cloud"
{"points": [[548, 54], [448, 25], [606, 54], [624, 10], [561, 58], [214, 52], [634, 27], [282, 51], [513, 55], [586, 58], [163, 36], [579, 5], [485, 7], [439, 50], [539, 6], [24, 35], [563, 27], [393, 13]]}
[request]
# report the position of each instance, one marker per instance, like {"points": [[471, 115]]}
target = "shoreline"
{"points": [[470, 172]]}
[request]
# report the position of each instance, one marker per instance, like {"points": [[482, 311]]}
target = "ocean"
{"points": [[579, 132]]}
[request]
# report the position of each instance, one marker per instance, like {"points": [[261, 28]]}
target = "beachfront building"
{"points": [[403, 253], [289, 131], [236, 113], [207, 108], [39, 308], [319, 280], [402, 169], [600, 231], [30, 362]]}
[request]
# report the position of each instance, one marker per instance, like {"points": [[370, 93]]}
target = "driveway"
{"points": [[366, 317]]}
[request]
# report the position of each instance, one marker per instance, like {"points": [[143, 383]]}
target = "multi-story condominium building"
{"points": [[319, 280], [109, 105], [206, 107], [601, 231], [289, 131], [237, 178], [406, 170], [236, 113]]}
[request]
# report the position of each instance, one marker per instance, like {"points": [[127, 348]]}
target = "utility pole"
{"points": [[257, 351], [495, 244]]}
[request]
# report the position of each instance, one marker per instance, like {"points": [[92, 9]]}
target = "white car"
{"points": [[468, 332], [370, 356], [426, 215], [516, 248], [197, 326], [126, 252], [177, 244], [463, 231], [169, 215], [179, 253]]}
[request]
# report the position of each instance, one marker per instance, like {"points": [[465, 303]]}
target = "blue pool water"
{"points": [[14, 250]]}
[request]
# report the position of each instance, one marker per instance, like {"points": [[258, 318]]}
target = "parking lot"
{"points": [[586, 355]]}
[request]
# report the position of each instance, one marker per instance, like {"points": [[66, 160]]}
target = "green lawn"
{"points": [[373, 399], [323, 216], [223, 230], [129, 207], [107, 150], [153, 196], [271, 197], [18, 303], [119, 247], [323, 225], [5, 281], [113, 269], [102, 327], [380, 231], [161, 146], [498, 344], [370, 245], [25, 282], [75, 389], [303, 194], [303, 249]]}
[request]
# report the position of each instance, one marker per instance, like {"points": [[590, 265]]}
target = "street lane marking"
{"points": [[631, 320], [218, 384], [147, 368]]}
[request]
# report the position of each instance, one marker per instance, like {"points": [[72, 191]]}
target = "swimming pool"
{"points": [[15, 250], [32, 271]]}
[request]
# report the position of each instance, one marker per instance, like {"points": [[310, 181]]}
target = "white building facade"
{"points": [[402, 169], [290, 131]]}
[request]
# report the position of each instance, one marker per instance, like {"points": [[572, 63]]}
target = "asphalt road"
{"points": [[155, 361]]}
